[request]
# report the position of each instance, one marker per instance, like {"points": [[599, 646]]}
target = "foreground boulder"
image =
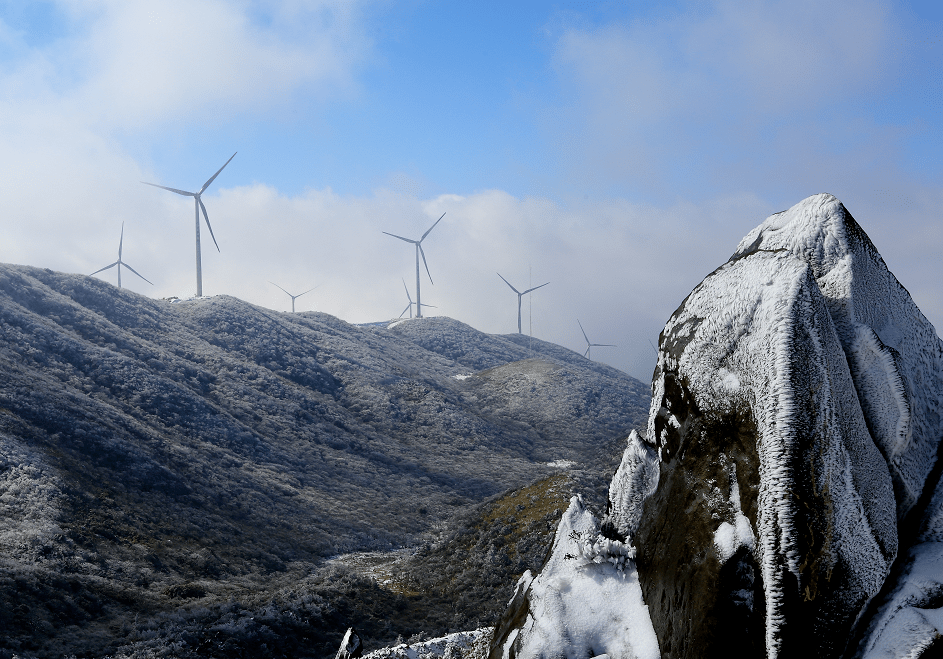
{"points": [[787, 499], [351, 646]]}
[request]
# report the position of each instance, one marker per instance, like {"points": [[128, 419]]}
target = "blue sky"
{"points": [[618, 150]]}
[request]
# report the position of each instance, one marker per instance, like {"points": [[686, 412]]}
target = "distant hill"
{"points": [[153, 452]]}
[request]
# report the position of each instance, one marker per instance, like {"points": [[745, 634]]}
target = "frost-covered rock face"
{"points": [[796, 415], [585, 602], [787, 496]]}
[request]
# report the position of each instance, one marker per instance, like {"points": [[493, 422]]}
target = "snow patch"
{"points": [[730, 537], [561, 464], [436, 647], [908, 622]]}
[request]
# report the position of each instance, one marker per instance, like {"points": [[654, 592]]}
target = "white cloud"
{"points": [[129, 64], [615, 266]]}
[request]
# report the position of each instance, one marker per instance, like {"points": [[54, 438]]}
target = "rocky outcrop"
{"points": [[787, 496], [351, 646], [584, 603]]}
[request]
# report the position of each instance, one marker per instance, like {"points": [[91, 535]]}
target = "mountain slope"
{"points": [[145, 444]]}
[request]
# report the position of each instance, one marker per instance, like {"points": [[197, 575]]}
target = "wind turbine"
{"points": [[120, 263], [418, 244], [519, 296], [590, 345], [293, 297], [198, 204], [409, 307]]}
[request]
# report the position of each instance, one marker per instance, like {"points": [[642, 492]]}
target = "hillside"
{"points": [[152, 453]]}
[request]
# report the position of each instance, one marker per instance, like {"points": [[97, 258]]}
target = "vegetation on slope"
{"points": [[157, 457]]}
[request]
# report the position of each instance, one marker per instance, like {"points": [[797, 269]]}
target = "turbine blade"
{"points": [[279, 287], [213, 177], [207, 218], [534, 288], [408, 296], [121, 241], [307, 291], [583, 331], [509, 284], [604, 345], [424, 262], [164, 187], [105, 268], [400, 237], [429, 305], [137, 273], [408, 307], [431, 228], [586, 354]]}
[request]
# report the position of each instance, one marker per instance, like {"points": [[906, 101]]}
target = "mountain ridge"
{"points": [[211, 440]]}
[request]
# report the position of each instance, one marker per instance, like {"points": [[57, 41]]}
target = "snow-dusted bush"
{"points": [[593, 548]]}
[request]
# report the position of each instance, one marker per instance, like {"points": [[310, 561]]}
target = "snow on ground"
{"points": [[908, 623], [561, 464], [469, 645]]}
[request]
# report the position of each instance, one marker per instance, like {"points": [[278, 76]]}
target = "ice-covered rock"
{"points": [[351, 646], [787, 495], [585, 602], [634, 480]]}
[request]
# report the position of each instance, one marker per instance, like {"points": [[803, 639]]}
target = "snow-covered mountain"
{"points": [[786, 500], [154, 452]]}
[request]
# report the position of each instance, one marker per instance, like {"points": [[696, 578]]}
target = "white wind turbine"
{"points": [[120, 263], [418, 244], [293, 297], [409, 307], [590, 345], [198, 203], [519, 296]]}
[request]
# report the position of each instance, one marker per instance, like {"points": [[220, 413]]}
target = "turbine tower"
{"points": [[198, 204], [590, 345], [418, 244], [409, 307], [519, 296], [293, 297], [120, 263]]}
